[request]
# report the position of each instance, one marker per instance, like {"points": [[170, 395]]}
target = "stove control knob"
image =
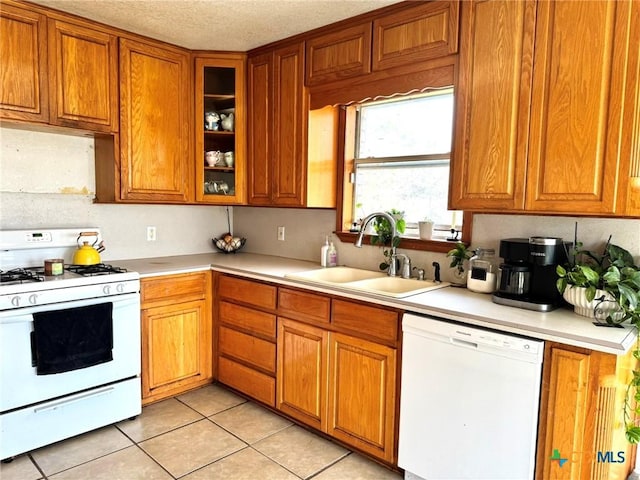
{"points": [[15, 301], [120, 288], [33, 299], [106, 289]]}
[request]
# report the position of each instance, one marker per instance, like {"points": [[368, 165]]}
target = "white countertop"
{"points": [[459, 304]]}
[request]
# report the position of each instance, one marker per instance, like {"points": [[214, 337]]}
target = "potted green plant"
{"points": [[383, 235], [608, 278], [459, 254]]}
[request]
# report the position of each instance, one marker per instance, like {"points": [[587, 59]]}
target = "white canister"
{"points": [[481, 276]]}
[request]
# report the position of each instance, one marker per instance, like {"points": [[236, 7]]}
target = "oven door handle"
{"points": [[74, 399]]}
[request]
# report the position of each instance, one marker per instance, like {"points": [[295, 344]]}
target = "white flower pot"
{"points": [[598, 309]]}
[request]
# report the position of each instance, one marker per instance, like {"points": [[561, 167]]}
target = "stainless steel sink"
{"points": [[378, 283]]}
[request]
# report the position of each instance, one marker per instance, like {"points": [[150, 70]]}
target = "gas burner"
{"points": [[20, 275], [97, 269]]}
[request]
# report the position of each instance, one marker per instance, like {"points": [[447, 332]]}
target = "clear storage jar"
{"points": [[482, 273]]}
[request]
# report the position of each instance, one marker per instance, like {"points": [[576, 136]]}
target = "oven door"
{"points": [[20, 382]]}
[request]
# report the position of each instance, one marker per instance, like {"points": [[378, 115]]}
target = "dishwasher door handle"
{"points": [[463, 343]]}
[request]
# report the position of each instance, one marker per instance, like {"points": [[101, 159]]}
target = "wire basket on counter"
{"points": [[226, 245]]}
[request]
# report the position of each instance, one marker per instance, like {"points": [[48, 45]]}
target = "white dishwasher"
{"points": [[468, 402]]}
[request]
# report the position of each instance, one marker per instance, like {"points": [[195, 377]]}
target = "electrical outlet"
{"points": [[281, 234], [151, 234]]}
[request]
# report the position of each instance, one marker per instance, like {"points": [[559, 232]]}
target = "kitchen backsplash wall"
{"points": [[305, 231], [48, 180]]}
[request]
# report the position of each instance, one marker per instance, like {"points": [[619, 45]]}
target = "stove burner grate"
{"points": [[97, 269], [20, 275]]}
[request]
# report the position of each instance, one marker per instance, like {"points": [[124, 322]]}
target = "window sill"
{"points": [[441, 246]]}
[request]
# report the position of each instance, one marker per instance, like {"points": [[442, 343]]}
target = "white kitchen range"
{"points": [[69, 339]]}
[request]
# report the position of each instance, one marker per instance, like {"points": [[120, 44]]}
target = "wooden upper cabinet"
{"points": [[338, 55], [155, 123], [290, 103], [259, 142], [23, 65], [292, 151], [220, 89], [580, 66], [492, 105], [83, 75], [545, 106], [425, 31]]}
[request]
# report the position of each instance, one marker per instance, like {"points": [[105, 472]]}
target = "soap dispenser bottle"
{"points": [[332, 255], [324, 253]]}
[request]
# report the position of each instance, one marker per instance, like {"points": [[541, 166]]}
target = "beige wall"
{"points": [[305, 231], [48, 180]]}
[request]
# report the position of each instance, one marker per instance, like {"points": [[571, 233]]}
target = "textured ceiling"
{"points": [[235, 25]]}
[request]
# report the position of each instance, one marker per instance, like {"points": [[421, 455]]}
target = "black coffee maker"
{"points": [[527, 278]]}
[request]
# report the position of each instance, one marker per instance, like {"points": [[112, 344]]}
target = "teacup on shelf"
{"points": [[213, 157]]}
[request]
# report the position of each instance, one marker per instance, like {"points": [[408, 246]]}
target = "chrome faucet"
{"points": [[405, 269], [393, 269]]}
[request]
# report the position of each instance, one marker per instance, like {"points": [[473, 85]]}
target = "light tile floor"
{"points": [[206, 434]]}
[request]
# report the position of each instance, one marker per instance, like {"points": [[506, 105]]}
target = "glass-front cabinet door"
{"points": [[220, 129]]}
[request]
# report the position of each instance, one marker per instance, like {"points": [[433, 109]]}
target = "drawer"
{"points": [[252, 321], [304, 306], [174, 288], [247, 291], [248, 349], [246, 380], [365, 320]]}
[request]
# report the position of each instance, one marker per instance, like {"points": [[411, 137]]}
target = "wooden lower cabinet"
{"points": [[302, 372], [583, 393], [246, 336], [339, 384], [362, 394], [176, 334]]}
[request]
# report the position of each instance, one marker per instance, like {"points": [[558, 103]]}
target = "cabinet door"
{"points": [[581, 414], [219, 89], [259, 79], [155, 119], [362, 394], [339, 55], [290, 106], [492, 105], [302, 372], [577, 105], [23, 65], [83, 73], [429, 30], [176, 348]]}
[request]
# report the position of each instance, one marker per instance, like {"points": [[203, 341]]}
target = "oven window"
{"points": [[73, 338]]}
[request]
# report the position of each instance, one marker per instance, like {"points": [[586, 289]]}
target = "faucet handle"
{"points": [[420, 272]]}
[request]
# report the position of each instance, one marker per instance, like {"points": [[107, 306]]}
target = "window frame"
{"points": [[347, 127]]}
